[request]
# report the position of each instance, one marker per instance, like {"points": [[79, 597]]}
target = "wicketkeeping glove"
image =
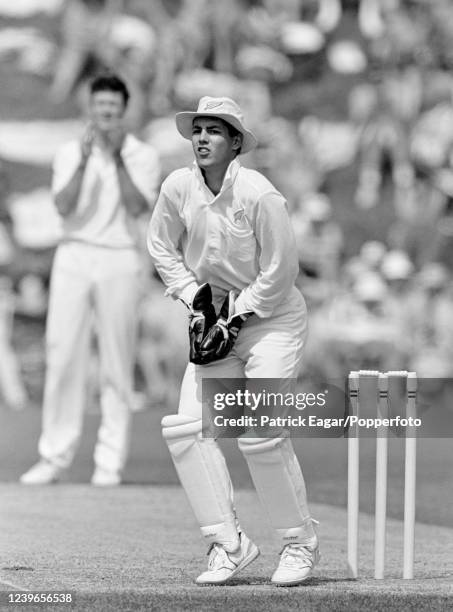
{"points": [[202, 317], [221, 337]]}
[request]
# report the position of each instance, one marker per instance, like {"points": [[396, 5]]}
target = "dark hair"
{"points": [[232, 132], [110, 82]]}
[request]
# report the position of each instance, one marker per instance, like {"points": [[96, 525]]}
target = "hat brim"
{"points": [[184, 122]]}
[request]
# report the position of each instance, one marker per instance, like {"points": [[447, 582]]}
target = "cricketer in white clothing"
{"points": [[102, 187], [217, 228]]}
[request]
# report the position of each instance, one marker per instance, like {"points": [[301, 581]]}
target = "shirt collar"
{"points": [[228, 179]]}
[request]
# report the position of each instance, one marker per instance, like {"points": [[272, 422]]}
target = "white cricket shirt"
{"points": [[100, 218], [240, 239]]}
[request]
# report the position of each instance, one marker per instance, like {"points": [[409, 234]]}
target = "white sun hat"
{"points": [[369, 287], [317, 206], [396, 265], [222, 108], [301, 38], [346, 57], [372, 252]]}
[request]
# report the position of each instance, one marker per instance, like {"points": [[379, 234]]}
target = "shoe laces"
{"points": [[297, 555], [218, 557]]}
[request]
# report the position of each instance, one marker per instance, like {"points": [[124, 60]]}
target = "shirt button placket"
{"points": [[213, 250]]}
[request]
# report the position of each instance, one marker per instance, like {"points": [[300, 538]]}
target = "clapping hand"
{"points": [[116, 140], [86, 144]]}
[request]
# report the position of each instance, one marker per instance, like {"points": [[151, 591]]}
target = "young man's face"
{"points": [[107, 110], [212, 144]]}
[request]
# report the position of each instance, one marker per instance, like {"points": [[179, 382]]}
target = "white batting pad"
{"points": [[280, 485], [204, 476]]}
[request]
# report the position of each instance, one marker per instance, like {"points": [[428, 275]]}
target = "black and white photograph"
{"points": [[226, 305]]}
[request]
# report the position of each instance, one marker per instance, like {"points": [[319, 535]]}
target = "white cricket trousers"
{"points": [[265, 348], [100, 286]]}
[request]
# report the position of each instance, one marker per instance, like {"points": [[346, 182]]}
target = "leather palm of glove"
{"points": [[202, 318], [221, 337]]}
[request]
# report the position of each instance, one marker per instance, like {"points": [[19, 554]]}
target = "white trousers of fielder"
{"points": [[89, 285], [265, 348]]}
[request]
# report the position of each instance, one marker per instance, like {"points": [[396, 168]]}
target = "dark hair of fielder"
{"points": [[110, 82]]}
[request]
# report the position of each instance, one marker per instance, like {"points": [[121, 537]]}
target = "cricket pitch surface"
{"points": [[138, 548]]}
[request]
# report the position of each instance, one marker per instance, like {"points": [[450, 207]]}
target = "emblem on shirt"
{"points": [[238, 215]]}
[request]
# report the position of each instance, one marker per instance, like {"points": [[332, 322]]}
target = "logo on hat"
{"points": [[209, 105]]}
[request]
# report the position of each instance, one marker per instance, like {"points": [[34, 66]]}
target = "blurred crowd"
{"points": [[380, 304]]}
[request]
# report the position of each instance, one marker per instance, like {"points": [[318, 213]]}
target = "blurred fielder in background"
{"points": [[101, 186], [221, 238]]}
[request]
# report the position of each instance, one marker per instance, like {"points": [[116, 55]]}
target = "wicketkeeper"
{"points": [[221, 239]]}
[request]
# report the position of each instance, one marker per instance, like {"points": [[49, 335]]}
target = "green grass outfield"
{"points": [[138, 548], [324, 463]]}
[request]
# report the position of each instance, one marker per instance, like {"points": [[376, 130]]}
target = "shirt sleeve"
{"points": [[146, 174], [164, 234], [65, 164], [278, 260]]}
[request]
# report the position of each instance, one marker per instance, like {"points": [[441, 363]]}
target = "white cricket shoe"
{"points": [[223, 565], [105, 478], [42, 473], [296, 564]]}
